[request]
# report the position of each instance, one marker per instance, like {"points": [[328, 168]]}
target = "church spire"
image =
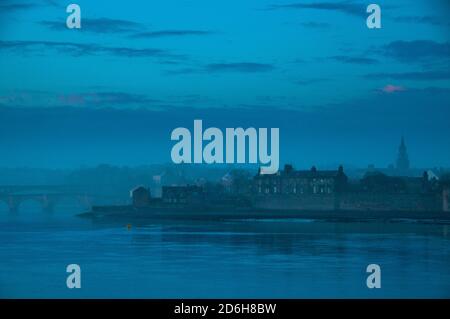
{"points": [[402, 159]]}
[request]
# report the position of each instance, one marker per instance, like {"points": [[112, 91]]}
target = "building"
{"points": [[140, 196], [290, 181], [378, 182], [189, 194], [299, 189], [402, 158]]}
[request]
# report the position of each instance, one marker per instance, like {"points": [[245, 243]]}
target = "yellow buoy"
{"points": [[128, 226]]}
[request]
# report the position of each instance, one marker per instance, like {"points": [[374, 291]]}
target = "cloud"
{"points": [[26, 98], [100, 25], [34, 98], [392, 88], [243, 67], [410, 51], [315, 25], [106, 99], [431, 20], [79, 49], [7, 6], [183, 71], [311, 81], [107, 25], [411, 76], [373, 123], [169, 33], [346, 7], [53, 3], [354, 60]]}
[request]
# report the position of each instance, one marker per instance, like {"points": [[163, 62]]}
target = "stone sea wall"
{"points": [[351, 201]]}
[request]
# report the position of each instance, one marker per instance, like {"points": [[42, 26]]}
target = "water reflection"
{"points": [[237, 258]]}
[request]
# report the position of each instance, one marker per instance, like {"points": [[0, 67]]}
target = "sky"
{"points": [[112, 91]]}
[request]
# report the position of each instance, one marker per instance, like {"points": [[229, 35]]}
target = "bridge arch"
{"points": [[33, 200]]}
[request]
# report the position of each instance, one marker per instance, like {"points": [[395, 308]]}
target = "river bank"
{"points": [[130, 213]]}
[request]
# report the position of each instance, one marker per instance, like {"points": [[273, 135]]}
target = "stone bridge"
{"points": [[47, 195]]}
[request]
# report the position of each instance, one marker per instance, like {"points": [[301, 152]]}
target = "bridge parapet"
{"points": [[14, 198]]}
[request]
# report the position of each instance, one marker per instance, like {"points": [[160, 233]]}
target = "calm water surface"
{"points": [[235, 259]]}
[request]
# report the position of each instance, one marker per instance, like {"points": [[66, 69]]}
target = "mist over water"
{"points": [[228, 259]]}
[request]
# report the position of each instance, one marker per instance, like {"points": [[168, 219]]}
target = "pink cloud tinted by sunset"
{"points": [[392, 88]]}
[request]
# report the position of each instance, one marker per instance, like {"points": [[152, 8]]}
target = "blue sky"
{"points": [[339, 92]]}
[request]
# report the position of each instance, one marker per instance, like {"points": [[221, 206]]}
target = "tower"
{"points": [[402, 159]]}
